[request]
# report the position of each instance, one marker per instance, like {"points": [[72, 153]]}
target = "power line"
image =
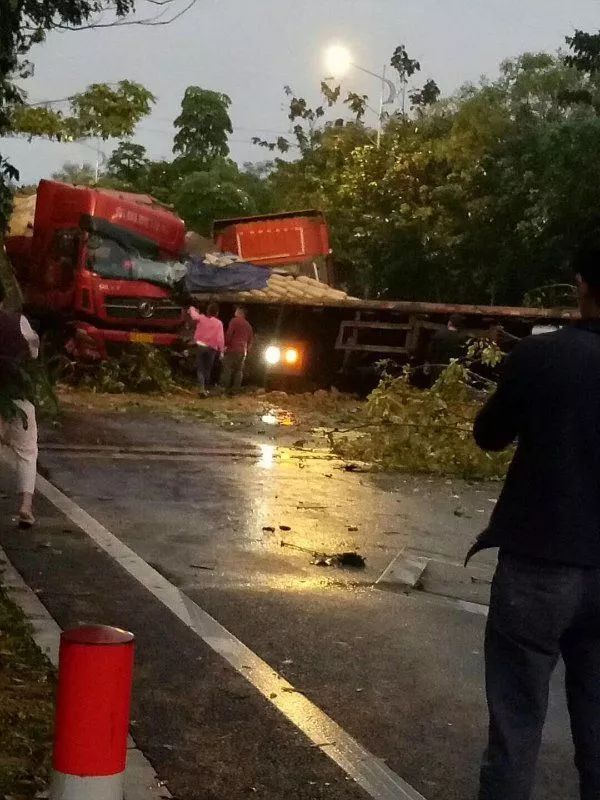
{"points": [[238, 128], [145, 129]]}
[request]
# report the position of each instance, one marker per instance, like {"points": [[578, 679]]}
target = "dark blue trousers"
{"points": [[538, 612]]}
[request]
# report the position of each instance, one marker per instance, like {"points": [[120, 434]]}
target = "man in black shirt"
{"points": [[545, 598]]}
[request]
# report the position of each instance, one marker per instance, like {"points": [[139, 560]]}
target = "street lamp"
{"points": [[338, 61]]}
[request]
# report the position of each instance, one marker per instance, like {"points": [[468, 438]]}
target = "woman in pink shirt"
{"points": [[210, 341]]}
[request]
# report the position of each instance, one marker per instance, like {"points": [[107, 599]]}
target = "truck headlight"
{"points": [[273, 355], [291, 356]]}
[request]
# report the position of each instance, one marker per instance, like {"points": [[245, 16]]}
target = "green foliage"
{"points": [[585, 51], [101, 111], [426, 96], [404, 65], [107, 111], [33, 121], [138, 369], [214, 193], [357, 103], [203, 127], [429, 431], [27, 690], [331, 94], [128, 163], [17, 384], [8, 174], [28, 381]]}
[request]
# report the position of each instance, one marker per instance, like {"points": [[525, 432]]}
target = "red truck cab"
{"points": [[78, 267]]}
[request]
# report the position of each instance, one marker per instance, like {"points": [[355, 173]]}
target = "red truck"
{"points": [[79, 266], [316, 332], [76, 267]]}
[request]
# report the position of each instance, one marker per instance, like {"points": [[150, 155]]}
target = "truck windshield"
{"points": [[110, 259]]}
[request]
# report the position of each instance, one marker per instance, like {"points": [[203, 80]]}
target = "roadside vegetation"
{"points": [[424, 431], [26, 708]]}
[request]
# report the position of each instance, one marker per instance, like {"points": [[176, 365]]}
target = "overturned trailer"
{"points": [[306, 329]]}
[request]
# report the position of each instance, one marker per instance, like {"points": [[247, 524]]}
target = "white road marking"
{"points": [[370, 772]]}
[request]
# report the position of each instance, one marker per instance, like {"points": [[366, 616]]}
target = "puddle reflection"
{"points": [[267, 456]]}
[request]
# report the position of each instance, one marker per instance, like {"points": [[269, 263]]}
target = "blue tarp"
{"points": [[204, 278]]}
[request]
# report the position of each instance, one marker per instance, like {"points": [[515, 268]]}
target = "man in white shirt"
{"points": [[18, 426]]}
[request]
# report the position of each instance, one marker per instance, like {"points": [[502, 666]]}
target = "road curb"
{"points": [[141, 780]]}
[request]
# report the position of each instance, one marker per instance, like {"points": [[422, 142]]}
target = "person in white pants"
{"points": [[18, 341]]}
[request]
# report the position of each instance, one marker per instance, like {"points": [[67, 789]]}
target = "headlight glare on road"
{"points": [[291, 356], [273, 355]]}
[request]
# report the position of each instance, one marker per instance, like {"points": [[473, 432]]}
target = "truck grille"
{"points": [[141, 308]]}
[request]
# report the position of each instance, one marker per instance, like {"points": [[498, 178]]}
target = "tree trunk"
{"points": [[14, 298]]}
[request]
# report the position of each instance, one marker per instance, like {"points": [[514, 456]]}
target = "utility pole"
{"points": [[384, 82], [97, 172]]}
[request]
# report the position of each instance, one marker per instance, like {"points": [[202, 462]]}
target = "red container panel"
{"points": [[284, 239]]}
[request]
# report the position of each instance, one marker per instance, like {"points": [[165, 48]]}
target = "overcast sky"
{"points": [[250, 48]]}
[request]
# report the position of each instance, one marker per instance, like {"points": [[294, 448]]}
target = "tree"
{"points": [[203, 127], [128, 164], [77, 174], [427, 96], [102, 111], [357, 103], [585, 51], [203, 196], [406, 67]]}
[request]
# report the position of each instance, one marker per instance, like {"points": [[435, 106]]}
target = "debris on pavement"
{"points": [[349, 559], [460, 512]]}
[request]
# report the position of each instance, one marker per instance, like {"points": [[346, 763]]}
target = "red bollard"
{"points": [[92, 713]]}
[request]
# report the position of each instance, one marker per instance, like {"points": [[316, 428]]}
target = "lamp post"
{"points": [[338, 60]]}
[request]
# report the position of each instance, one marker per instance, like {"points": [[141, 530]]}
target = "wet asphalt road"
{"points": [[401, 672]]}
